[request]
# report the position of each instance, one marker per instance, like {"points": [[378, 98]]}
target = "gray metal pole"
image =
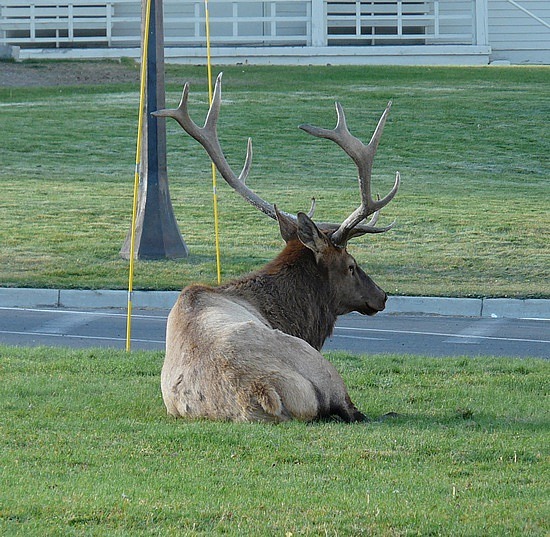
{"points": [[157, 232]]}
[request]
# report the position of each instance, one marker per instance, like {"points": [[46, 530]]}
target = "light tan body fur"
{"points": [[224, 361]]}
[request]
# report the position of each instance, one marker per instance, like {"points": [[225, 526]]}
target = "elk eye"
{"points": [[351, 270]]}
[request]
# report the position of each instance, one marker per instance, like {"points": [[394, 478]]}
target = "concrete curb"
{"points": [[107, 298], [429, 305], [75, 298]]}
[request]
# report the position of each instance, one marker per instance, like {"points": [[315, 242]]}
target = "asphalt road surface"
{"points": [[384, 333]]}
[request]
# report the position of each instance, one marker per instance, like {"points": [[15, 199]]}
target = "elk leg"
{"points": [[356, 415], [349, 412]]}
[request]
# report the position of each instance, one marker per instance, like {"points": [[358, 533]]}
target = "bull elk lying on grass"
{"points": [[249, 350]]}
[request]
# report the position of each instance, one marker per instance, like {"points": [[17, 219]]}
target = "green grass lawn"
{"points": [[87, 449], [471, 144]]}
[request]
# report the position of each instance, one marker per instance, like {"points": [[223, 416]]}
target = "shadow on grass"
{"points": [[422, 421]]}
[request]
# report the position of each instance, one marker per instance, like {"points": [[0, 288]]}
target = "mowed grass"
{"points": [[471, 144], [87, 449]]}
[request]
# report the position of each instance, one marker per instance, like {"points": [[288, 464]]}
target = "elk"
{"points": [[249, 350]]}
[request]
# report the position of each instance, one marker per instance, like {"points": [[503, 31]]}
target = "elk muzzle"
{"points": [[375, 298]]}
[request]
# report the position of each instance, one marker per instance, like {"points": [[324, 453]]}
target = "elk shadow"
{"points": [[456, 419]]}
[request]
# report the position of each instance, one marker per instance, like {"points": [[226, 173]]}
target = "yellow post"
{"points": [[214, 178], [137, 172]]}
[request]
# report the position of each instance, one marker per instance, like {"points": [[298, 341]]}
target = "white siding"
{"points": [[516, 36]]}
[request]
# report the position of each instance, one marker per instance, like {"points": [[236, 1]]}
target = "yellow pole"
{"points": [[214, 178], [137, 172]]}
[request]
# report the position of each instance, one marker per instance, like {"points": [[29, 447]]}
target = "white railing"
{"points": [[403, 22], [46, 23], [238, 22], [117, 23]]}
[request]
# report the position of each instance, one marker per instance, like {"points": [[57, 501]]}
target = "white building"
{"points": [[288, 31]]}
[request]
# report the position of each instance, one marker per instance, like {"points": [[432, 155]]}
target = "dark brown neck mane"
{"points": [[293, 294]]}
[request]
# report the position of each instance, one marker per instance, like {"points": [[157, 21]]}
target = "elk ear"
{"points": [[287, 226], [310, 236]]}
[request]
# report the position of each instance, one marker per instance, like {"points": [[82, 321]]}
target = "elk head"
{"points": [[350, 287]]}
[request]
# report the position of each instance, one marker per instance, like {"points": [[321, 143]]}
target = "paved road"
{"points": [[426, 335]]}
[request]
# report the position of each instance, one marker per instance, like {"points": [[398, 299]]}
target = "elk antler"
{"points": [[207, 136], [363, 156]]}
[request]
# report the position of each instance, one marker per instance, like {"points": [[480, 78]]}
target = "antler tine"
{"points": [[211, 121], [243, 176], [311, 211], [363, 157]]}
